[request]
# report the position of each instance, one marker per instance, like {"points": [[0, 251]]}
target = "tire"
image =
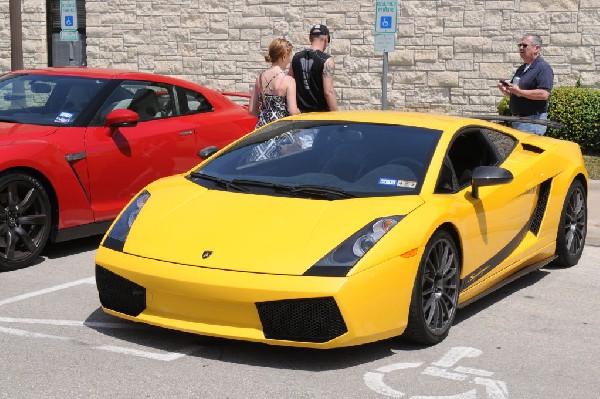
{"points": [[572, 228], [435, 293], [25, 220]]}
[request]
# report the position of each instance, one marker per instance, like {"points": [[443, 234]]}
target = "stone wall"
{"points": [[33, 21], [449, 53], [4, 37]]}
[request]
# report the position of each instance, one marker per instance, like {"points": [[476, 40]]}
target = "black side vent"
{"points": [[540, 207], [119, 294], [532, 148], [302, 320]]}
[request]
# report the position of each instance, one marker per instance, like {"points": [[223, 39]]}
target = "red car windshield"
{"points": [[52, 100]]}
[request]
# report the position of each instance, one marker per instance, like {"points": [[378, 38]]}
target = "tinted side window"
{"points": [[149, 100], [192, 102], [468, 150]]}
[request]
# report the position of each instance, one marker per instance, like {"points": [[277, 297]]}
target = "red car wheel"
{"points": [[25, 220]]}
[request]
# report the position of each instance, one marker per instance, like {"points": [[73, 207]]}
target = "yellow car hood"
{"points": [[188, 224]]}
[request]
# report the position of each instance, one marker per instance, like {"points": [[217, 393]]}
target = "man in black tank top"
{"points": [[313, 71]]}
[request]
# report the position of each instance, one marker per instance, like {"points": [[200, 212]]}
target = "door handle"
{"points": [[186, 132]]}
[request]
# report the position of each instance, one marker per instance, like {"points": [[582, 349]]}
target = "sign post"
{"points": [[68, 25], [386, 25]]}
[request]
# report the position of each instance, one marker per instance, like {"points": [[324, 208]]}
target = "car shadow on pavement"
{"points": [[72, 247], [153, 338], [241, 352], [498, 295]]}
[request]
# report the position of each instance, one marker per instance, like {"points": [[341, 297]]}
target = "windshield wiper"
{"points": [[321, 191], [311, 190], [258, 183], [226, 184]]}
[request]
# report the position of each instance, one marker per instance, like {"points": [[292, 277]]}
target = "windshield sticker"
{"points": [[64, 118], [406, 183], [387, 182], [397, 183]]}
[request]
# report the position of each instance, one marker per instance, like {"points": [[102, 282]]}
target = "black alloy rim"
{"points": [[575, 219], [23, 220], [440, 286]]}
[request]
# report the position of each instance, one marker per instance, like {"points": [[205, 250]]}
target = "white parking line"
{"points": [[479, 372], [17, 298], [29, 334], [72, 323], [165, 357]]}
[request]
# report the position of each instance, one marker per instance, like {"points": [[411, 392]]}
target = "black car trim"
{"points": [[71, 159], [495, 260], [531, 268], [85, 230]]}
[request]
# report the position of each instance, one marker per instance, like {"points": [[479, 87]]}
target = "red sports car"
{"points": [[77, 143]]}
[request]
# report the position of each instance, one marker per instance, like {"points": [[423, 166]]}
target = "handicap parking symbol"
{"points": [[385, 22], [479, 382], [68, 20]]}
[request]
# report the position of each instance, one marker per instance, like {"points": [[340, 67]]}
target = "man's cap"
{"points": [[320, 30]]}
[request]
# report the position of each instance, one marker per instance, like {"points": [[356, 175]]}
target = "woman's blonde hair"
{"points": [[278, 49]]}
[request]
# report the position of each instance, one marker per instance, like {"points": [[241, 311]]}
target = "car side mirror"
{"points": [[207, 152], [121, 118], [489, 176]]}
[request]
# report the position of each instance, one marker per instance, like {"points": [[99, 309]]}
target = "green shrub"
{"points": [[502, 106], [578, 109]]}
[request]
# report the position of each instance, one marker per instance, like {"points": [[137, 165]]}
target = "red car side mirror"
{"points": [[121, 118]]}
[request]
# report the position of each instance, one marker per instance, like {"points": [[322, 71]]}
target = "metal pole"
{"points": [[384, 81], [71, 54], [16, 35]]}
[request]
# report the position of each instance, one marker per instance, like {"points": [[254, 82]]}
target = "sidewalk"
{"points": [[593, 224]]}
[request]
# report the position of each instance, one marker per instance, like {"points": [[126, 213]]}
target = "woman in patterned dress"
{"points": [[274, 93]]}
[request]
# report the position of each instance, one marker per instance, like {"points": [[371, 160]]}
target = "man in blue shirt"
{"points": [[530, 87]]}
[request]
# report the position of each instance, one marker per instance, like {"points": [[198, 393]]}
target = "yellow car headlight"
{"points": [[115, 239], [341, 259]]}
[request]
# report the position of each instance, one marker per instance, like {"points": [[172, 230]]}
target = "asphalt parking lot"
{"points": [[535, 338]]}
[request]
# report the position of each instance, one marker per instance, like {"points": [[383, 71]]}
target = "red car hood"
{"points": [[19, 131]]}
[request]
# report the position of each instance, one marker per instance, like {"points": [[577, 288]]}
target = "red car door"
{"points": [[121, 161]]}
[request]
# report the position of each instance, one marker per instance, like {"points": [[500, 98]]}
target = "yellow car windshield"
{"points": [[342, 159]]}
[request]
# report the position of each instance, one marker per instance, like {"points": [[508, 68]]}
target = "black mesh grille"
{"points": [[119, 294], [305, 320], [540, 208]]}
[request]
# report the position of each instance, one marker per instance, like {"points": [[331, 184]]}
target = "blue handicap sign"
{"points": [[68, 20], [385, 22]]}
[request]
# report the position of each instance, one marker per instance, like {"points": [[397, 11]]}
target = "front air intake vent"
{"points": [[302, 320], [119, 294]]}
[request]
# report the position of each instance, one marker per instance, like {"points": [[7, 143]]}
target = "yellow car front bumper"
{"points": [[306, 311]]}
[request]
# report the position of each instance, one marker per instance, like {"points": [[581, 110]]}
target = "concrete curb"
{"points": [[593, 225]]}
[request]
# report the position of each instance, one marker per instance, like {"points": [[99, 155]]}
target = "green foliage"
{"points": [[578, 109], [502, 106]]}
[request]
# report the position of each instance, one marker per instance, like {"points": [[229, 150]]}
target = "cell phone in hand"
{"points": [[504, 82]]}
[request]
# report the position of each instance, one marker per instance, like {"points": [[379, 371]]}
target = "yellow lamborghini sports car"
{"points": [[335, 229]]}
